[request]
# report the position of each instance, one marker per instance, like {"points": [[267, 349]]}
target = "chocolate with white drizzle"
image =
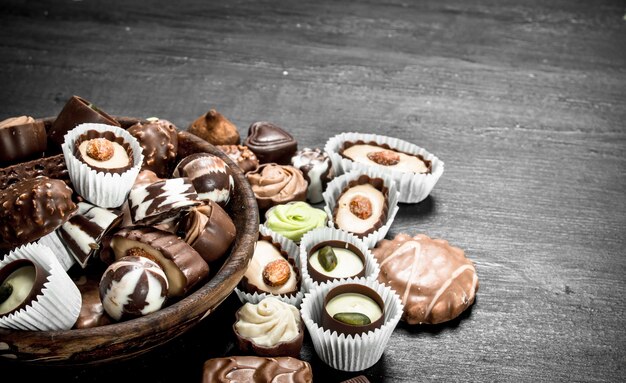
{"points": [[316, 169], [210, 176], [435, 280]]}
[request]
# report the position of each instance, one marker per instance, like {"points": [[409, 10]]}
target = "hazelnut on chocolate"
{"points": [[372, 153], [103, 151], [362, 207]]}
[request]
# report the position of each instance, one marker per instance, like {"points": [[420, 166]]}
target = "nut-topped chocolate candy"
{"points": [[270, 143], [317, 169], [21, 138], [133, 286], [372, 153], [183, 266], [20, 283], [242, 156], [159, 141], [335, 259], [216, 129], [210, 176], [352, 309], [271, 270], [434, 279], [257, 369], [362, 206], [32, 208], [104, 151]]}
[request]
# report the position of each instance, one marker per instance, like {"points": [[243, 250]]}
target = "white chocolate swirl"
{"points": [[269, 322]]}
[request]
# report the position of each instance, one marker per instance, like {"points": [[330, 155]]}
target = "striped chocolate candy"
{"points": [[210, 176], [161, 201]]}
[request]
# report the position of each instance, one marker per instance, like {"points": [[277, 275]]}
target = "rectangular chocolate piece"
{"points": [[257, 369]]}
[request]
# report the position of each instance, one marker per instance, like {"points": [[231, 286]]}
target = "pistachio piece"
{"points": [[353, 319], [327, 258]]}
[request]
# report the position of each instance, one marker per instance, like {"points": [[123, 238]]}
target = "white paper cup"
{"points": [[336, 186], [101, 189], [350, 353], [293, 251], [314, 237], [62, 253], [413, 187], [58, 306]]}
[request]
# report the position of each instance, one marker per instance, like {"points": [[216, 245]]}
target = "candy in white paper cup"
{"points": [[102, 189], [336, 187], [63, 255], [413, 187], [58, 305], [293, 252], [322, 235], [352, 352]]}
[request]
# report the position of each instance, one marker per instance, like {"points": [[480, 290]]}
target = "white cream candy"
{"points": [[269, 322]]}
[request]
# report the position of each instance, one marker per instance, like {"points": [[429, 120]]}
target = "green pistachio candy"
{"points": [[294, 219], [353, 319], [327, 258], [6, 289]]}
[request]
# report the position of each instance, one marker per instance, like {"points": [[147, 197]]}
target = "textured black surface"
{"points": [[524, 101]]}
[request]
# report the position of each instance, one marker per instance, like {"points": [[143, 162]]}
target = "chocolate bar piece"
{"points": [[257, 369], [21, 138]]}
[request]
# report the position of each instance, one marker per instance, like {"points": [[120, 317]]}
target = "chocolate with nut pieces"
{"points": [[159, 141]]}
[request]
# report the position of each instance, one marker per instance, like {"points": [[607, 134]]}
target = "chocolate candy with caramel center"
{"points": [[21, 138], [159, 141], [271, 143], [435, 280], [256, 369]]}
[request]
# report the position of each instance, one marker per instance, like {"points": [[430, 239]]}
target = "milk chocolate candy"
{"points": [[216, 129], [208, 229], [242, 156], [271, 143], [210, 176], [159, 141], [183, 266], [21, 138], [83, 232], [161, 201], [257, 369], [92, 313], [434, 279], [76, 111], [32, 208], [275, 184]]}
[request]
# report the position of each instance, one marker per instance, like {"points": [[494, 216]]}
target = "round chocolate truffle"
{"points": [[159, 141], [210, 176], [216, 129], [133, 286]]}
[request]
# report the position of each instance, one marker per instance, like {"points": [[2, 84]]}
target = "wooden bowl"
{"points": [[129, 339]]}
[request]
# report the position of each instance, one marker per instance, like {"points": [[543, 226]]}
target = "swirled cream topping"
{"points": [[294, 219], [278, 183], [269, 322]]}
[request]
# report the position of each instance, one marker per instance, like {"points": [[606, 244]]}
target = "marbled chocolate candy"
{"points": [[210, 176], [161, 201]]}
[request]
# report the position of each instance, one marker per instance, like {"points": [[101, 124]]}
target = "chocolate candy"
{"points": [[216, 129], [21, 138], [372, 153], [183, 266], [274, 184], [362, 206], [440, 284], [76, 111], [242, 156], [133, 286], [208, 229], [317, 169], [32, 208], [352, 309], [270, 143], [256, 369], [82, 233], [335, 259], [21, 281], [209, 175], [161, 201], [104, 151], [159, 141], [92, 313]]}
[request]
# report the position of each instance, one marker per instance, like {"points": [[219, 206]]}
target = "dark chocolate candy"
{"points": [[159, 141], [92, 313], [330, 322], [210, 176], [13, 296], [242, 156], [76, 111], [256, 369], [32, 208], [104, 151], [208, 229], [440, 286], [271, 143], [182, 264], [161, 201], [21, 138], [216, 129]]}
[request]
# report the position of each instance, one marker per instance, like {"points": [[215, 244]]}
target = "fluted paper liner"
{"points": [[350, 353], [316, 236], [102, 189], [413, 187], [336, 186], [294, 252], [58, 305], [56, 244]]}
